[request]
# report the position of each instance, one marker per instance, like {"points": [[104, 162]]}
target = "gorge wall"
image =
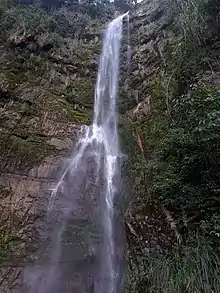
{"points": [[169, 128], [47, 79]]}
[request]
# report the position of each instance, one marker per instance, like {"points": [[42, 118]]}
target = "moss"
{"points": [[22, 154], [15, 116], [95, 48], [15, 78], [21, 62], [9, 223], [6, 245], [81, 92], [4, 191], [86, 52], [62, 109], [78, 116]]}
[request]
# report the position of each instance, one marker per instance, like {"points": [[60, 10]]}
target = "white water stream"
{"points": [[93, 168]]}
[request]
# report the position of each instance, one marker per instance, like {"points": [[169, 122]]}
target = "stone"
{"points": [[61, 144]]}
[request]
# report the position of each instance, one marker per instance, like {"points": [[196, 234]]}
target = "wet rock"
{"points": [[40, 117], [61, 144]]}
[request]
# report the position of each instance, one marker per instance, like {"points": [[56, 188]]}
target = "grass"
{"points": [[193, 269]]}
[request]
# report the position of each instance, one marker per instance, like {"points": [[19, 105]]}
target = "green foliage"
{"points": [[91, 8], [68, 23], [191, 153], [180, 168], [8, 225], [194, 269], [22, 18], [6, 245], [188, 51], [178, 165], [81, 93], [23, 153]]}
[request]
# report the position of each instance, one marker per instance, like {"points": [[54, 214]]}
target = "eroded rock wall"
{"points": [[46, 93]]}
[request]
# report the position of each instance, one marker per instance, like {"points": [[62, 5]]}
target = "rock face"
{"points": [[149, 32], [46, 89], [46, 94]]}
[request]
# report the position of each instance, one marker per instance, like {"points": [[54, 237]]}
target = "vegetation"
{"points": [[9, 224], [23, 153], [93, 8], [174, 158], [174, 154], [36, 42], [195, 269]]}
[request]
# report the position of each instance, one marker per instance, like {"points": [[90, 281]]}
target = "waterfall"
{"points": [[88, 187], [105, 133]]}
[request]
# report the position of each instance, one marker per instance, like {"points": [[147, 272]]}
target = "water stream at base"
{"points": [[92, 175]]}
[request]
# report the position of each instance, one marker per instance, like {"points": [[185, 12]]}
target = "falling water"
{"points": [[92, 176], [105, 132]]}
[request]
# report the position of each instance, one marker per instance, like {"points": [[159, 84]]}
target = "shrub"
{"points": [[194, 270]]}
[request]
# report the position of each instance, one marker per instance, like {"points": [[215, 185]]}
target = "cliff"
{"points": [[48, 69], [169, 129]]}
